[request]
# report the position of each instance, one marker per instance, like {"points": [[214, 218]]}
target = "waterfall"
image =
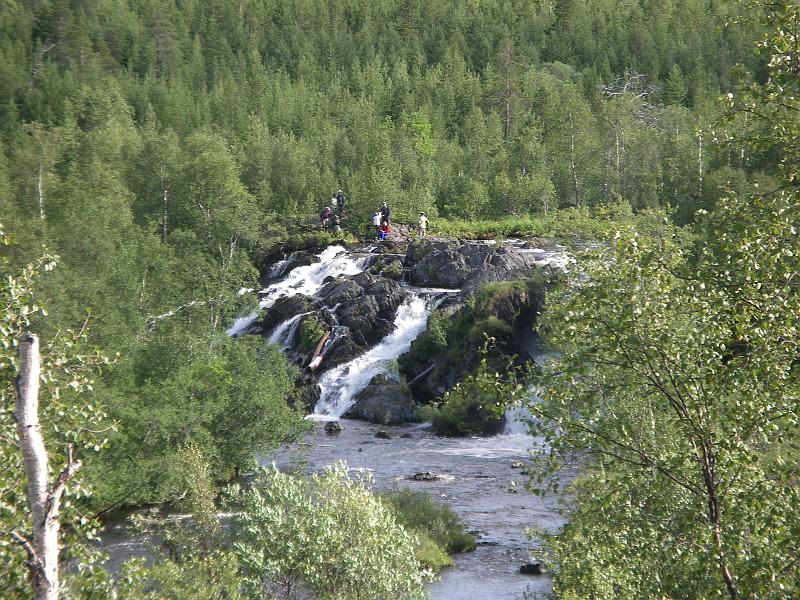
{"points": [[284, 332], [333, 262], [340, 385]]}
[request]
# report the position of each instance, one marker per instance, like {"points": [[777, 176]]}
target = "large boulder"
{"points": [[467, 265], [384, 402], [436, 264], [283, 310], [278, 269], [364, 304]]}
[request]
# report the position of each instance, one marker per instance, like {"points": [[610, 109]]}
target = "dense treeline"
{"points": [[156, 147], [160, 147]]}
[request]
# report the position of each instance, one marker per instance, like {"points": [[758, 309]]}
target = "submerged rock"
{"points": [[333, 427], [425, 476], [531, 569], [383, 401]]}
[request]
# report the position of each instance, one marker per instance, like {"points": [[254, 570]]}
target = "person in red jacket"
{"points": [[385, 230]]}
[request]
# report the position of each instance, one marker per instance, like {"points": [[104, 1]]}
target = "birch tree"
{"points": [[43, 431]]}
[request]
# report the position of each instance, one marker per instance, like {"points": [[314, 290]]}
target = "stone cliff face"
{"points": [[480, 289]]}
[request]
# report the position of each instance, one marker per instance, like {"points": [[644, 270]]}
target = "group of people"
{"points": [[330, 217], [380, 219]]}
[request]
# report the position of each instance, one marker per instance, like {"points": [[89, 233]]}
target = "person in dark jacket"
{"points": [[340, 201], [325, 217], [385, 212]]}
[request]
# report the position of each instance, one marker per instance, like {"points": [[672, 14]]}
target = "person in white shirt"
{"points": [[376, 221], [423, 224]]}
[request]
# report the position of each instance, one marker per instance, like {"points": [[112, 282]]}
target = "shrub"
{"points": [[327, 533], [463, 412], [431, 555], [309, 334], [421, 512]]}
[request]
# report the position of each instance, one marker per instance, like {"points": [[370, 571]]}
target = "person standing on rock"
{"points": [[423, 224], [385, 212], [376, 221], [340, 201], [324, 217]]}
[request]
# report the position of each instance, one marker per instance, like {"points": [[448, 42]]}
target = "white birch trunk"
{"points": [[44, 502], [41, 192]]}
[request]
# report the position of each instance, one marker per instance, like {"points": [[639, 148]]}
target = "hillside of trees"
{"points": [[158, 150]]}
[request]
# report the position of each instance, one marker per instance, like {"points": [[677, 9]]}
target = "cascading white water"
{"points": [[333, 261], [284, 332], [340, 385]]}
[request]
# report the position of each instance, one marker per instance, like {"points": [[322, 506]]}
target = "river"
{"points": [[477, 476]]}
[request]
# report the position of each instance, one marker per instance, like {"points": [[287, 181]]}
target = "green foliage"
{"points": [[676, 380], [226, 396], [328, 534], [423, 514], [309, 334], [193, 562], [431, 555], [69, 415]]}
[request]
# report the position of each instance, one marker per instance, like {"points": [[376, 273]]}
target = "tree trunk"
{"points": [[41, 191], [572, 166], [164, 224], [43, 501]]}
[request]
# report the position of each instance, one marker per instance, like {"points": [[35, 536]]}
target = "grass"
{"points": [[435, 523], [569, 223]]}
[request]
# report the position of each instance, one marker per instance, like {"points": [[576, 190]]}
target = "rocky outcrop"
{"points": [[493, 295], [364, 304], [283, 309], [384, 402], [467, 265], [436, 264]]}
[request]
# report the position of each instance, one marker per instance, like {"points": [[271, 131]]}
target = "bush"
{"points": [[422, 513], [431, 555], [462, 413], [327, 533], [309, 334]]}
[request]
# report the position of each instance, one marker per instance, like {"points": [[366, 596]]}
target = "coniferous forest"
{"points": [[156, 156]]}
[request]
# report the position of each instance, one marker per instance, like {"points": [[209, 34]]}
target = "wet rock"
{"points": [[531, 569], [517, 464], [383, 401], [283, 309], [383, 435], [365, 304], [436, 264], [333, 427], [425, 476], [407, 435], [340, 350], [305, 395], [468, 265], [390, 266]]}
